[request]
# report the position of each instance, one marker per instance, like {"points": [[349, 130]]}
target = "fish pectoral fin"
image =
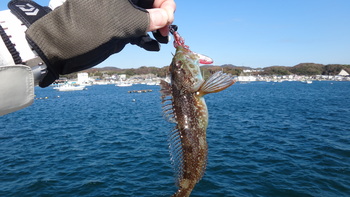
{"points": [[216, 83]]}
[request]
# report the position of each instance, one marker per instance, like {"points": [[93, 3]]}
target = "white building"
{"points": [[246, 78], [343, 73], [122, 77], [83, 78]]}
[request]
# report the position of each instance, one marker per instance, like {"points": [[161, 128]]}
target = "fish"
{"points": [[183, 104]]}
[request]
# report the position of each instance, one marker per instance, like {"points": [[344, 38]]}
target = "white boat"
{"points": [[67, 87], [307, 81], [123, 84]]}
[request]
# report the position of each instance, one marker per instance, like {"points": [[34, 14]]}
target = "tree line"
{"points": [[300, 69], [307, 69]]}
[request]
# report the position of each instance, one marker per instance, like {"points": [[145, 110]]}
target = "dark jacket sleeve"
{"points": [[82, 33]]}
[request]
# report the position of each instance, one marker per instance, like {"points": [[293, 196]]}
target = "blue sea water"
{"points": [[265, 139]]}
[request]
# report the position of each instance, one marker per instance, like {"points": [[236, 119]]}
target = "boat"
{"points": [[307, 81], [123, 84], [68, 87]]}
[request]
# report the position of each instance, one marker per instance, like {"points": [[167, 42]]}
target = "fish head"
{"points": [[185, 71]]}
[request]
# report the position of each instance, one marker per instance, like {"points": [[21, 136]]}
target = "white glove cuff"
{"points": [[16, 83], [16, 80], [16, 88]]}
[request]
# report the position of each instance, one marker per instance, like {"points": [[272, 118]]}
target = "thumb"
{"points": [[158, 18]]}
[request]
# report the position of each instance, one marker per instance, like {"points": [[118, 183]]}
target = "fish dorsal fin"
{"points": [[165, 89], [174, 137], [167, 103], [216, 83]]}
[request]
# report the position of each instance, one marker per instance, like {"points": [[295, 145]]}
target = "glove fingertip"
{"points": [[151, 46], [48, 80], [161, 39], [146, 42]]}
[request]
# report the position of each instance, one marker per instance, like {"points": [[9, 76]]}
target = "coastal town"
{"points": [[341, 76], [122, 80]]}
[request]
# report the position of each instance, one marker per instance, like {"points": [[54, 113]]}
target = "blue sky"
{"points": [[255, 33]]}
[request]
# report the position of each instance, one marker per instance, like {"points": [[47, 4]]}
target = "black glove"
{"points": [[82, 33]]}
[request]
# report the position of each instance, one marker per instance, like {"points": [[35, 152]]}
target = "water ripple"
{"points": [[285, 139]]}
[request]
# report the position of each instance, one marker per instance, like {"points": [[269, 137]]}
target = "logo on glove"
{"points": [[28, 9]]}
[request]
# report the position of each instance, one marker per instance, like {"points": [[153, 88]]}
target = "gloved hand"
{"points": [[82, 33]]}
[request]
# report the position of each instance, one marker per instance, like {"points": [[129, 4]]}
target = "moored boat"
{"points": [[68, 87], [123, 84]]}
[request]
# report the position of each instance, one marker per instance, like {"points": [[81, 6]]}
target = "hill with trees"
{"points": [[307, 69], [300, 69]]}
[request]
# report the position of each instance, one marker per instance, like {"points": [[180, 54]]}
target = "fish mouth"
{"points": [[180, 42], [203, 59]]}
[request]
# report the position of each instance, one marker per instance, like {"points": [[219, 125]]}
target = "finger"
{"points": [[158, 19], [169, 6]]}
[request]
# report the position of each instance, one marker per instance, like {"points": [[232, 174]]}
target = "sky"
{"points": [[253, 33]]}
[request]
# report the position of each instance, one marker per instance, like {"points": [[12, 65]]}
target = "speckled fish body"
{"points": [[184, 105]]}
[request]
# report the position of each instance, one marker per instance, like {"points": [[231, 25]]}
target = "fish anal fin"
{"points": [[216, 83], [176, 153]]}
